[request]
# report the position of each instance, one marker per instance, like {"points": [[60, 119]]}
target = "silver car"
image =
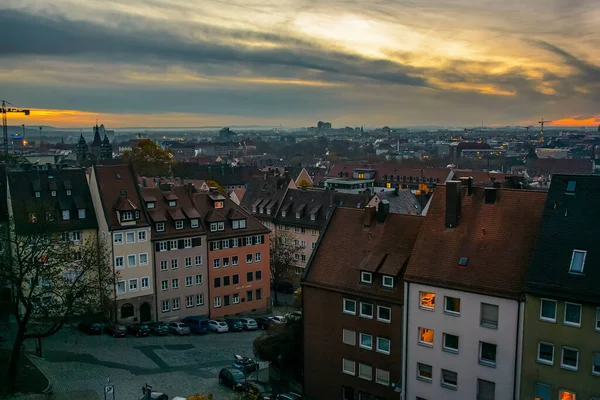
{"points": [[179, 328], [249, 324]]}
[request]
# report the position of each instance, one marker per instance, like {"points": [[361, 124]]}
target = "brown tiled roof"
{"points": [[175, 214], [480, 177], [157, 215], [497, 240], [389, 169], [346, 243], [124, 204]]}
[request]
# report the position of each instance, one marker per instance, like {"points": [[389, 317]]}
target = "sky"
{"points": [[166, 63]]}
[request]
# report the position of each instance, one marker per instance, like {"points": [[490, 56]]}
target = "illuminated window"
{"points": [[361, 176], [32, 218], [566, 395], [426, 336], [543, 392], [388, 185], [427, 300], [218, 204]]}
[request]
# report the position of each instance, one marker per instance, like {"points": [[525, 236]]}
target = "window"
{"points": [[32, 218], [234, 260], [597, 319], [449, 379], [198, 260], [218, 204], [349, 306], [217, 263], [145, 281], [189, 301], [365, 371], [548, 310], [545, 353], [543, 392], [225, 261], [187, 243], [220, 226], [452, 305], [313, 245], [172, 203], [165, 306], [235, 279], [81, 213], [118, 238], [173, 245], [217, 282], [426, 336], [130, 237], [234, 242], [188, 281], [164, 285], [489, 315], [249, 295], [120, 287], [427, 300], [572, 314], [424, 372], [382, 377], [175, 303], [164, 266], [178, 224], [37, 195], [487, 353], [258, 275], [450, 343], [226, 300], [66, 215], [249, 276], [383, 345], [387, 281], [596, 364], [160, 227], [348, 337], [236, 298], [366, 310], [577, 261], [199, 279], [188, 262], [258, 294], [226, 280], [366, 341], [144, 259], [199, 299], [239, 224], [194, 223], [141, 236], [175, 283], [348, 367], [131, 260], [174, 263], [566, 395], [133, 285], [297, 257], [163, 246], [571, 185], [118, 262], [127, 216], [213, 226], [150, 204], [570, 358], [366, 277], [384, 314], [486, 390], [248, 258], [217, 302], [257, 257]]}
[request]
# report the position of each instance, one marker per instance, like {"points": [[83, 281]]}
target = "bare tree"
{"points": [[283, 249], [52, 278]]}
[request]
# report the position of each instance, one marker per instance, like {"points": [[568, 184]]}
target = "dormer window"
{"points": [[178, 224], [194, 223], [283, 213], [66, 215], [137, 215], [81, 213], [53, 193], [387, 281], [172, 203], [262, 210], [68, 192], [126, 216], [150, 204], [239, 224], [313, 217], [253, 209], [213, 227], [160, 227], [577, 261], [220, 226], [38, 195], [297, 215], [268, 211], [218, 204], [366, 277]]}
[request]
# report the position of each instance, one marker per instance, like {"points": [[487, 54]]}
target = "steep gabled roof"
{"points": [[570, 222], [496, 240]]}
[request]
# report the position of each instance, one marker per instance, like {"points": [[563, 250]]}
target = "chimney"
{"points": [[144, 184], [396, 190], [470, 186], [497, 184], [383, 210], [453, 200], [369, 216], [490, 195]]}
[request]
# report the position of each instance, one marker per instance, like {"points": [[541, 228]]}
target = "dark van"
{"points": [[196, 324]]}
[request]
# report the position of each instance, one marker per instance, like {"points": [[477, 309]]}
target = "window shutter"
{"points": [[180, 244], [168, 245], [242, 242], [196, 242], [156, 247]]}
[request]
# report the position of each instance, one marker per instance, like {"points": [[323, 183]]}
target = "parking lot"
{"points": [[176, 365]]}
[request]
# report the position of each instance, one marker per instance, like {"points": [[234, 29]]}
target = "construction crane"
{"points": [[4, 111], [542, 122]]}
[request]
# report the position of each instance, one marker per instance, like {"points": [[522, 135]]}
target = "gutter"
{"points": [[519, 348]]}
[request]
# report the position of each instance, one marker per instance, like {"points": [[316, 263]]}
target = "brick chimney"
{"points": [[453, 200]]}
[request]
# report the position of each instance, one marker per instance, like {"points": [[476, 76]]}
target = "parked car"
{"points": [[179, 328], [249, 324], [197, 324], [158, 328], [235, 325], [218, 326], [278, 319], [91, 328], [293, 316], [284, 287], [244, 364], [264, 322], [116, 330], [138, 330], [261, 390], [288, 396], [233, 378]]}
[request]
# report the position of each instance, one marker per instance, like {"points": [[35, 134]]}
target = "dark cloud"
{"points": [[589, 72]]}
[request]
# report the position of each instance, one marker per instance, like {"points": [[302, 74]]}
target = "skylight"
{"points": [[463, 261], [118, 176], [571, 185]]}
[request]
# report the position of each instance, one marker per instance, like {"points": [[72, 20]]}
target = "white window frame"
{"points": [[179, 225], [349, 337], [66, 215], [124, 283], [53, 193], [486, 325], [176, 303], [200, 299], [188, 262], [390, 281], [81, 213], [189, 301], [127, 235], [595, 373], [448, 311], [163, 246], [172, 203], [118, 238], [217, 263], [257, 257], [345, 367], [164, 284], [486, 362], [249, 258], [217, 301], [582, 263], [568, 323], [198, 279], [541, 360], [140, 258], [449, 349], [225, 262], [366, 315], [213, 226], [362, 375], [349, 301], [236, 298], [421, 306], [198, 260], [366, 277], [173, 245], [150, 204], [174, 283], [147, 280], [379, 349], [446, 384], [546, 319], [562, 356], [234, 260], [187, 243], [382, 380], [189, 281], [164, 265], [122, 259], [134, 260], [137, 285], [165, 305], [597, 325], [126, 216], [360, 341], [160, 227], [194, 223], [423, 343], [379, 318], [220, 226], [141, 236], [422, 377]]}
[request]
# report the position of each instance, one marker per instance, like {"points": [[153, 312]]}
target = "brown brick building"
{"points": [[353, 303]]}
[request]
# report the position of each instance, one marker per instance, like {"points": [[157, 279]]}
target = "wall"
{"points": [[585, 338], [467, 327]]}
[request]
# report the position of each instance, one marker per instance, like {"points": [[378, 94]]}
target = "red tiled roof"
{"points": [[480, 176], [388, 169], [543, 166], [346, 243], [497, 239]]}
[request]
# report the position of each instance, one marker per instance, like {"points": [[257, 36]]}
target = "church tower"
{"points": [[106, 149], [81, 150], [96, 144]]}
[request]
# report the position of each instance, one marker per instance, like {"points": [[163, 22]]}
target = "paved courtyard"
{"points": [[178, 366]]}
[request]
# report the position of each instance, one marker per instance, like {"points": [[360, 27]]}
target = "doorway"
{"points": [[145, 313]]}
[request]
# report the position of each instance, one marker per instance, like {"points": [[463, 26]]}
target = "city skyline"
{"points": [[169, 63]]}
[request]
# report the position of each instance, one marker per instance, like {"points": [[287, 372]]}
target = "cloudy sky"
{"points": [[294, 62]]}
